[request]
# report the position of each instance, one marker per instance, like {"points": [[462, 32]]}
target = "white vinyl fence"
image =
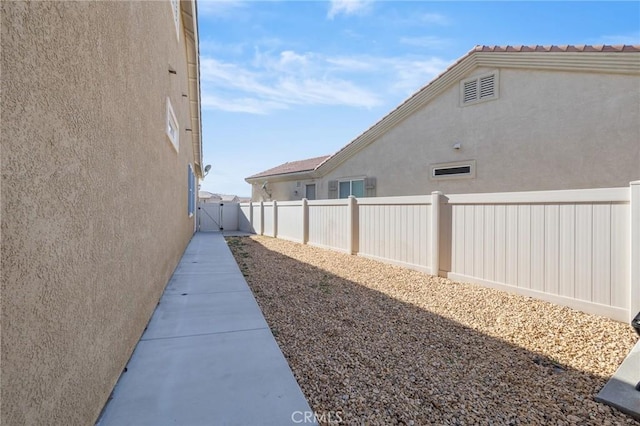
{"points": [[578, 248]]}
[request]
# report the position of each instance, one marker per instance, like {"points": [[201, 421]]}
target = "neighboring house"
{"points": [[288, 181], [227, 198], [208, 197], [500, 119], [100, 109]]}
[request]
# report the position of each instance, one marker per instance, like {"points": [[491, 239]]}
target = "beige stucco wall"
{"points": [[547, 130], [283, 190], [94, 197]]}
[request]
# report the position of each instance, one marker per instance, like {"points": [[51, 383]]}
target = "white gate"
{"points": [[217, 217]]}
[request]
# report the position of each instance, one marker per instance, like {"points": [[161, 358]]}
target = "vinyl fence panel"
{"points": [[290, 220], [244, 218], [564, 246], [396, 230], [268, 212], [329, 224]]}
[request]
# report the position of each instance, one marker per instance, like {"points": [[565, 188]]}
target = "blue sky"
{"points": [[288, 80]]}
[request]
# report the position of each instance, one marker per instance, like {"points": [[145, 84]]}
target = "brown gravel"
{"points": [[372, 343]]}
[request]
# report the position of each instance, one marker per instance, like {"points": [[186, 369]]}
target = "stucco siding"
{"points": [[282, 189], [94, 196], [547, 130]]}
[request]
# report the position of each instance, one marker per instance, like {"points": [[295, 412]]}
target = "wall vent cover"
{"points": [[479, 88]]}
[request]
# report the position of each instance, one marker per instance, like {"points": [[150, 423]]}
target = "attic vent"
{"points": [[470, 91], [458, 169], [479, 88], [487, 86]]}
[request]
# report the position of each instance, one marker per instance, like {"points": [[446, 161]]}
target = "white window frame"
{"points": [[172, 122], [175, 10], [351, 180], [477, 78], [468, 163]]}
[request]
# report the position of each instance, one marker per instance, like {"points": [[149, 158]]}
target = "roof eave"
{"points": [[281, 177], [190, 29]]}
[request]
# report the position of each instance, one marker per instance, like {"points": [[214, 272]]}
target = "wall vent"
{"points": [[454, 170], [479, 88]]}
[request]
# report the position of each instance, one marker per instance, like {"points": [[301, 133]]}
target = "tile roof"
{"points": [[293, 167], [560, 48]]}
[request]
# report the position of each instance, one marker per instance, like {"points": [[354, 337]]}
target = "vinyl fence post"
{"points": [[251, 228], [352, 237], [435, 232], [275, 219], [261, 218], [634, 281], [305, 221]]}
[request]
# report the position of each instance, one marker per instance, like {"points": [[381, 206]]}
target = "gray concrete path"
{"points": [[620, 391], [208, 356]]}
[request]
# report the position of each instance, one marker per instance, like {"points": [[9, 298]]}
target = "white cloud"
{"points": [[211, 46], [279, 83], [350, 64], [279, 80], [411, 75], [246, 105], [347, 7]]}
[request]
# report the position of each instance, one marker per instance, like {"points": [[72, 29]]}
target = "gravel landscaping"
{"points": [[372, 343]]}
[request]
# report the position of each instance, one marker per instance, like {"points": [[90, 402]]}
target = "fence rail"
{"points": [[579, 248]]}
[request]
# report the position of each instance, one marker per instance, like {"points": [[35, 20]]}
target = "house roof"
{"points": [[559, 48], [207, 195], [293, 167], [616, 59]]}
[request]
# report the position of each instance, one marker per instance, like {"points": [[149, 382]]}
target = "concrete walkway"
{"points": [[207, 356], [620, 391]]}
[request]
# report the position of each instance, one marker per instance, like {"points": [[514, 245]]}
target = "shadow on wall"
{"points": [[375, 359]]}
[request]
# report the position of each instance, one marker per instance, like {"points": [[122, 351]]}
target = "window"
{"points": [[191, 182], [175, 8], [310, 192], [480, 88], [173, 132], [352, 187], [459, 169]]}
